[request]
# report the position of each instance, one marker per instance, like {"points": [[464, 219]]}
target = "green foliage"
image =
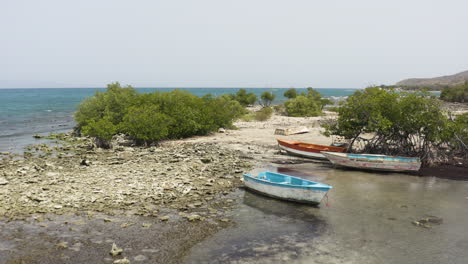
{"points": [[280, 109], [302, 106], [101, 128], [291, 93], [146, 124], [220, 112], [310, 104], [110, 104], [154, 116], [244, 98], [333, 109], [264, 114], [401, 123], [461, 133], [267, 98], [457, 93]]}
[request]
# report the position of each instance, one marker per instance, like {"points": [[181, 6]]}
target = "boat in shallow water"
{"points": [[287, 187], [307, 150], [374, 161]]}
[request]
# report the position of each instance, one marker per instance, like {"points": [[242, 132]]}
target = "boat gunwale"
{"points": [[298, 145], [323, 187], [395, 158]]}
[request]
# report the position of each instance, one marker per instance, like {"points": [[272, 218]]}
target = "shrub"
{"points": [[291, 93], [245, 98], [264, 114], [102, 129], [461, 133], [280, 109], [267, 98], [306, 104], [111, 104], [333, 108], [302, 106], [146, 124], [410, 124], [457, 93], [151, 117]]}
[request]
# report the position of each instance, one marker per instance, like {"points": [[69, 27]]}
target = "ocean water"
{"points": [[25, 112]]}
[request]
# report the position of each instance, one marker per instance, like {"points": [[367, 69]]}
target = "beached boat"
{"points": [[287, 187], [373, 161], [291, 131], [306, 149]]}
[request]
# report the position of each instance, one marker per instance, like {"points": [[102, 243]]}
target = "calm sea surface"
{"points": [[25, 112]]}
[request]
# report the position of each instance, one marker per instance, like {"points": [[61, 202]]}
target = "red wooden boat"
{"points": [[306, 149]]}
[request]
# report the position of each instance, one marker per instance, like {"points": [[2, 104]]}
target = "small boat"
{"points": [[306, 149], [286, 187], [374, 161], [291, 131]]}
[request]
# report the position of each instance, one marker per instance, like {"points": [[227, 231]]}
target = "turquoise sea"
{"points": [[25, 112]]}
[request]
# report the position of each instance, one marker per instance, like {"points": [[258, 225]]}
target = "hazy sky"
{"points": [[230, 43]]}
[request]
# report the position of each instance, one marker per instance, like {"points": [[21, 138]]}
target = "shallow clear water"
{"points": [[369, 220]]}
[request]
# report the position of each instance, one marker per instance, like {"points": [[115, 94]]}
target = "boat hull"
{"points": [[306, 150], [374, 162], [301, 153], [295, 194]]}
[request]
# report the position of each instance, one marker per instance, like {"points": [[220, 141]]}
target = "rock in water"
{"points": [[122, 261], [164, 218], [194, 217], [115, 250], [85, 162]]}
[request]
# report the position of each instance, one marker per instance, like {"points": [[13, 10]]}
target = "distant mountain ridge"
{"points": [[448, 80]]}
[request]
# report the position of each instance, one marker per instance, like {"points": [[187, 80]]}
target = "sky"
{"points": [[227, 43]]}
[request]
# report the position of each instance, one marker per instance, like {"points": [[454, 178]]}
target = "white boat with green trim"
{"points": [[373, 161], [287, 187]]}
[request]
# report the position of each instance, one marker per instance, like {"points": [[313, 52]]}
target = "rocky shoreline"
{"points": [[77, 177], [163, 193], [132, 196]]}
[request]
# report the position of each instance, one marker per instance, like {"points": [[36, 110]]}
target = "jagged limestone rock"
{"points": [[115, 250]]}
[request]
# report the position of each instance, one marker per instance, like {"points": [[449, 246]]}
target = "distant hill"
{"points": [[437, 82]]}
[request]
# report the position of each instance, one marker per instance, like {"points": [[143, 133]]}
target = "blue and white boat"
{"points": [[287, 187], [374, 161]]}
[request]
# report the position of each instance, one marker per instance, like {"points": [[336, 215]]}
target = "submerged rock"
{"points": [[115, 250], [140, 258], [194, 217], [85, 162], [164, 218], [122, 261], [425, 222]]}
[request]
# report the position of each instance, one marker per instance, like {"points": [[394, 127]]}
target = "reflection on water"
{"points": [[369, 221], [266, 227], [279, 208]]}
